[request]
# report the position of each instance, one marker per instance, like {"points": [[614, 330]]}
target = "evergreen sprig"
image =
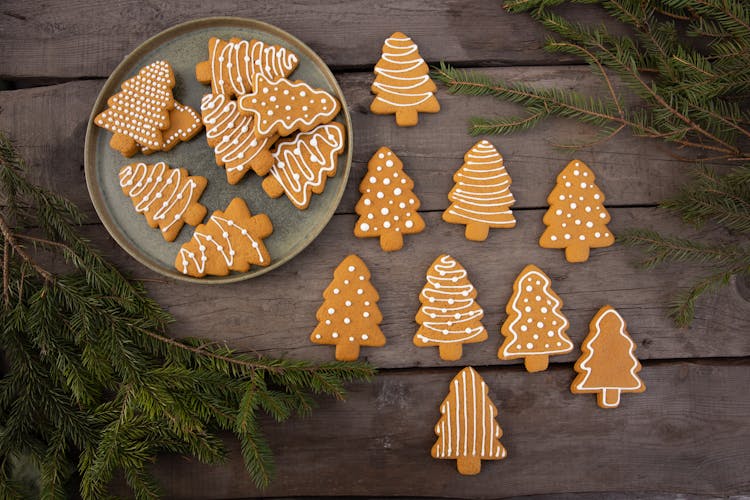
{"points": [[688, 90], [91, 384]]}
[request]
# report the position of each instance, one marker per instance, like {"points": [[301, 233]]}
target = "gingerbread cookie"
{"points": [[468, 430], [184, 124], [282, 107], [402, 83], [231, 240], [388, 206], [576, 219], [302, 164], [232, 66], [167, 197], [535, 327], [232, 135], [449, 316], [140, 112], [481, 198], [349, 316], [608, 365]]}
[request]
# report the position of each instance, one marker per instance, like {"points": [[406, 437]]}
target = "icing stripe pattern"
{"points": [[303, 164], [234, 64], [402, 74], [468, 427], [223, 245]]}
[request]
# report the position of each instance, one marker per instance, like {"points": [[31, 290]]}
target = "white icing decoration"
{"points": [[249, 58], [391, 84]]}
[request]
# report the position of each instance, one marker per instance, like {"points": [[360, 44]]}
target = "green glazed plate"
{"points": [[183, 46]]}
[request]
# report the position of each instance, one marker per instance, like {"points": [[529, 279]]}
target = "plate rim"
{"points": [[92, 184]]}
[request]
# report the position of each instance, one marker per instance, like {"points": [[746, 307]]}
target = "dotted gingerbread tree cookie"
{"points": [[302, 164], [576, 219], [481, 198], [402, 83], [140, 112], [184, 124], [468, 430], [167, 197], [232, 135], [349, 316], [608, 365], [388, 206], [231, 240], [449, 315], [535, 328]]}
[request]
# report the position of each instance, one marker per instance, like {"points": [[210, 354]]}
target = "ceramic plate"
{"points": [[183, 46]]}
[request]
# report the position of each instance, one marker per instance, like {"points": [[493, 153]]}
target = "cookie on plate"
{"points": [[184, 124]]}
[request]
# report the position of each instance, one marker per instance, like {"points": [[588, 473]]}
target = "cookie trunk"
{"points": [[577, 253], [195, 214], [391, 241], [477, 231], [608, 398], [407, 117], [203, 72], [450, 352], [124, 144], [262, 162], [469, 466], [272, 187], [347, 352], [536, 363]]}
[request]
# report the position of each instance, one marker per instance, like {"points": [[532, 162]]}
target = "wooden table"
{"points": [[689, 432]]}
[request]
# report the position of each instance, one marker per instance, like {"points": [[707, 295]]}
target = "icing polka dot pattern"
{"points": [[535, 331], [139, 113], [236, 147], [303, 164], [449, 315], [481, 198], [231, 240], [308, 107], [231, 66], [184, 124], [402, 83], [167, 197], [356, 316], [387, 210], [590, 217]]}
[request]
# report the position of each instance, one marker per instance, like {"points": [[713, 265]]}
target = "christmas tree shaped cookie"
{"points": [[481, 198], [576, 219], [388, 206], [236, 147], [535, 327], [449, 315], [608, 365], [302, 164], [231, 66], [140, 112], [167, 197], [282, 107], [467, 430], [402, 83], [184, 124], [349, 316], [231, 240]]}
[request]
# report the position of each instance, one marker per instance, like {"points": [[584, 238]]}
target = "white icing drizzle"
{"points": [[395, 83], [139, 111], [161, 189], [544, 290], [482, 190], [457, 432], [447, 301], [589, 346], [235, 143], [289, 120], [306, 162], [234, 64], [228, 230]]}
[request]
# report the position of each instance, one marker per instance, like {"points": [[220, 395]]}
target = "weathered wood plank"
{"points": [[83, 38], [687, 433], [631, 171], [275, 313]]}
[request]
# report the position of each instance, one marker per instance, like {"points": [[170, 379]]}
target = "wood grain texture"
{"points": [[687, 433], [275, 313], [88, 38], [431, 152]]}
